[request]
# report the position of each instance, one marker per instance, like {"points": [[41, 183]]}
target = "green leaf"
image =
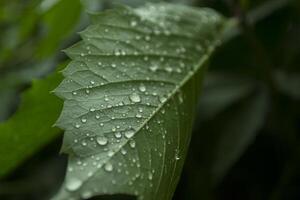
{"points": [[220, 91], [56, 32], [7, 102], [31, 126], [288, 84], [234, 109], [238, 128], [130, 97]]}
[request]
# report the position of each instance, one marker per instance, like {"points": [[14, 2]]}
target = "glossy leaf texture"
{"points": [[130, 96]]}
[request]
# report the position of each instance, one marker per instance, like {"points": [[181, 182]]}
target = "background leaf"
{"points": [[56, 32], [130, 95], [30, 128], [222, 90], [239, 127]]}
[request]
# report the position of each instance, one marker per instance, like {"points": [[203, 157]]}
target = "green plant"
{"points": [[131, 94]]}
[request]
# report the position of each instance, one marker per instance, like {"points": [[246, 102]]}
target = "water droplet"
{"points": [[90, 174], [117, 53], [150, 176], [110, 153], [169, 69], [177, 156], [138, 37], [108, 167], [97, 116], [83, 120], [142, 88], [74, 93], [133, 23], [153, 68], [182, 65], [134, 97], [129, 134], [180, 98], [92, 109], [83, 143], [118, 135], [123, 151], [86, 194], [138, 115], [132, 143], [162, 99], [178, 70], [73, 184], [101, 140], [77, 126]]}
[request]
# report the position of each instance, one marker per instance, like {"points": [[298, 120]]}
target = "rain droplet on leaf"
{"points": [[134, 97], [101, 140], [142, 88], [132, 143], [129, 134], [73, 184], [108, 167]]}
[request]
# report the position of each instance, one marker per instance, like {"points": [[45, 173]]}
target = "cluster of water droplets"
{"points": [[124, 86]]}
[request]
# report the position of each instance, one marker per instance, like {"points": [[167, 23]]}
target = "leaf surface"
{"points": [[130, 96]]}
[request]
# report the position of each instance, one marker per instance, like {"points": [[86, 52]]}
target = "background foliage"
{"points": [[245, 143]]}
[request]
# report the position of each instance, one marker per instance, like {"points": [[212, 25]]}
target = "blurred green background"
{"points": [[246, 143]]}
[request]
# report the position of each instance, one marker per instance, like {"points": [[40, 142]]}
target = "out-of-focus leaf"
{"points": [[94, 5], [136, 3], [31, 126], [288, 84], [224, 131], [220, 91], [60, 20], [130, 96], [238, 128], [8, 100]]}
